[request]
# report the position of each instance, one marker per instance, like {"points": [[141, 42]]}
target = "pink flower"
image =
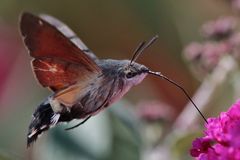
{"points": [[235, 4], [219, 29], [206, 55], [222, 137], [193, 51]]}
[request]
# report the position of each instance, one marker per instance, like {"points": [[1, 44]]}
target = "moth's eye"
{"points": [[130, 74]]}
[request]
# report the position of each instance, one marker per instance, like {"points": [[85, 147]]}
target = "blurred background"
{"points": [[154, 120]]}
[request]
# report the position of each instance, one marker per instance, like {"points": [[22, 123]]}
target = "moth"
{"points": [[82, 84]]}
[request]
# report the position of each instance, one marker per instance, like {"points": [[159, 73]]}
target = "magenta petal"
{"points": [[222, 137]]}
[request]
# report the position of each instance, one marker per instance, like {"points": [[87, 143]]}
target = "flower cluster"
{"points": [[235, 4], [222, 137], [222, 39], [219, 29]]}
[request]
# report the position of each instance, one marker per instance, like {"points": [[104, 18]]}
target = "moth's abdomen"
{"points": [[42, 119]]}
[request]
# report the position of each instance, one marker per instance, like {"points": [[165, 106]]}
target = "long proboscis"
{"points": [[180, 87]]}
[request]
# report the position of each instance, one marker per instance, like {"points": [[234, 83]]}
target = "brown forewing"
{"points": [[58, 62], [57, 74], [67, 32]]}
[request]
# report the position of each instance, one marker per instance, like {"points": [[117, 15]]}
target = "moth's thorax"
{"points": [[116, 71]]}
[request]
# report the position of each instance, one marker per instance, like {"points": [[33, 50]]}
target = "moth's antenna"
{"points": [[180, 87], [141, 47]]}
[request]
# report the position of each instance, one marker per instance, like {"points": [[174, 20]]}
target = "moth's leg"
{"points": [[85, 120]]}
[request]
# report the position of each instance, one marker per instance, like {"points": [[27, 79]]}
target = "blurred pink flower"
{"points": [[9, 49], [154, 111], [234, 43], [222, 137], [235, 4], [193, 51], [207, 54], [219, 29], [212, 52]]}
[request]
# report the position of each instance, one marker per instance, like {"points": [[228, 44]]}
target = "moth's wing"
{"points": [[45, 41], [70, 95], [58, 74], [66, 31], [58, 61]]}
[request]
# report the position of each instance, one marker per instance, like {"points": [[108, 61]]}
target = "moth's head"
{"points": [[133, 73], [128, 70]]}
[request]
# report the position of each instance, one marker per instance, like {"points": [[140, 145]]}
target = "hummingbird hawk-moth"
{"points": [[82, 84]]}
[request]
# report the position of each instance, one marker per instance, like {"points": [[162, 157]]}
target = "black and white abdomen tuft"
{"points": [[42, 119]]}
